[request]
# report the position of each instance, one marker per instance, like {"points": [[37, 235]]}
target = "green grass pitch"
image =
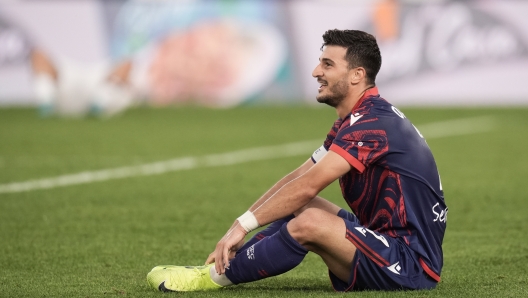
{"points": [[100, 239]]}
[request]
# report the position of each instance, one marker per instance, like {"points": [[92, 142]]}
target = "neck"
{"points": [[350, 101]]}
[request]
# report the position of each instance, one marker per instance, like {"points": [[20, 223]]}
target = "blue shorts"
{"points": [[380, 262]]}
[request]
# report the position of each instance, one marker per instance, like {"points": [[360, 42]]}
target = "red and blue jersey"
{"points": [[394, 187]]}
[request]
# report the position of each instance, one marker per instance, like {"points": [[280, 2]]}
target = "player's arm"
{"points": [[291, 176], [289, 198], [296, 173], [300, 191]]}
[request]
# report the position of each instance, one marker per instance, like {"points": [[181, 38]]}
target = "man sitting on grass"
{"points": [[388, 177]]}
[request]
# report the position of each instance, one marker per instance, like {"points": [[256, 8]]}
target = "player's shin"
{"points": [[261, 260], [272, 228]]}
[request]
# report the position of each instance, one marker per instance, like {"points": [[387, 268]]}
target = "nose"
{"points": [[317, 72]]}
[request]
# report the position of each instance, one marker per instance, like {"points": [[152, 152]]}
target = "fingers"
{"points": [[225, 255], [221, 256], [222, 261], [210, 259], [234, 249], [233, 239], [219, 262], [232, 254]]}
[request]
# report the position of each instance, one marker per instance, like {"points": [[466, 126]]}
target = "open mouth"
{"points": [[322, 85]]}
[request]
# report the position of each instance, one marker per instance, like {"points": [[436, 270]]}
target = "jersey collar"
{"points": [[368, 93]]}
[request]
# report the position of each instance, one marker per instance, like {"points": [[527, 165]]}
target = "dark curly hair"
{"points": [[362, 50]]}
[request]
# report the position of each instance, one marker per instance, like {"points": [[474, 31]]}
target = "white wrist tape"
{"points": [[248, 221]]}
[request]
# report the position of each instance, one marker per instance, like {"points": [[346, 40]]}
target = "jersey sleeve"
{"points": [[361, 144], [321, 151]]}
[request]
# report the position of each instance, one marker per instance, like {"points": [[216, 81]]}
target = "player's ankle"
{"points": [[218, 279]]}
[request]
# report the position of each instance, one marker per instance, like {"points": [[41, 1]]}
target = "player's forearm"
{"points": [[300, 191], [297, 193], [272, 190], [290, 198], [286, 179], [291, 176]]}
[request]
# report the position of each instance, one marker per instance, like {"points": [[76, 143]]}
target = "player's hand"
{"points": [[232, 253], [228, 244]]}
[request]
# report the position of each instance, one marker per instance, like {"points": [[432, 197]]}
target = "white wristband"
{"points": [[248, 221]]}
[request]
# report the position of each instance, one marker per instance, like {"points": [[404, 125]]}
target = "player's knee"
{"points": [[305, 227]]}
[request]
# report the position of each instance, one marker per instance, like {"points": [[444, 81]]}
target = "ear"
{"points": [[357, 75]]}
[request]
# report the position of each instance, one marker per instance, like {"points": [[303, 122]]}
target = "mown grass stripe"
{"points": [[430, 131]]}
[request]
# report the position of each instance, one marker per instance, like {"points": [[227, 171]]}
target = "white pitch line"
{"points": [[430, 131], [173, 165], [457, 127]]}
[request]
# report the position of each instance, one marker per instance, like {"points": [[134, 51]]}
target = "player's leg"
{"points": [[271, 229], [317, 202], [45, 81], [271, 256], [324, 233], [256, 262], [354, 255], [322, 204], [261, 261], [358, 258]]}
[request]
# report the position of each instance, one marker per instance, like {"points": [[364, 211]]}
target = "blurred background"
{"points": [[219, 103], [93, 55]]}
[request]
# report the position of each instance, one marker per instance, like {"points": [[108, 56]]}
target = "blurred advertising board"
{"points": [[66, 30], [212, 53], [226, 53], [434, 52]]}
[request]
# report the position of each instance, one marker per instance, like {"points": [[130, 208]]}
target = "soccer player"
{"points": [[388, 177]]}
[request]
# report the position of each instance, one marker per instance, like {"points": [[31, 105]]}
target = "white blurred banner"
{"points": [[456, 53], [435, 53], [66, 30]]}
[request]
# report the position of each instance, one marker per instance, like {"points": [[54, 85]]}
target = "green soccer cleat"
{"points": [[182, 279], [167, 267]]}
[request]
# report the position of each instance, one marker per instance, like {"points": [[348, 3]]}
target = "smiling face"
{"points": [[332, 73]]}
